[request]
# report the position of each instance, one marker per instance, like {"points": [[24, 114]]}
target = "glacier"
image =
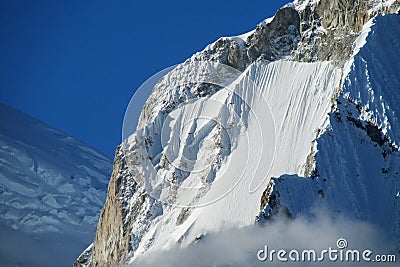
{"points": [[52, 188]]}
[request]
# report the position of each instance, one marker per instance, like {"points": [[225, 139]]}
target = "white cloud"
{"points": [[239, 247]]}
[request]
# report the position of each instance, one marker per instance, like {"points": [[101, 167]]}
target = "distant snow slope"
{"points": [[52, 188]]}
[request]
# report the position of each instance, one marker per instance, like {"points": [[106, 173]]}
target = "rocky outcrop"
{"points": [[303, 32], [275, 40], [329, 29]]}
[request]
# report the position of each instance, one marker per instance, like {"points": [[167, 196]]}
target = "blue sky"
{"points": [[76, 64]]}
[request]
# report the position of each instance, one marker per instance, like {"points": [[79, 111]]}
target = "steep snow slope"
{"points": [[373, 75], [51, 190], [358, 160], [233, 184]]}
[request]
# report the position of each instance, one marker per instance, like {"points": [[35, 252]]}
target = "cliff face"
{"points": [[110, 235], [113, 234], [124, 217], [140, 203], [329, 28]]}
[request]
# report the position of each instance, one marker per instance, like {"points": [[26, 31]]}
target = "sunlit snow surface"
{"points": [[52, 188], [299, 95]]}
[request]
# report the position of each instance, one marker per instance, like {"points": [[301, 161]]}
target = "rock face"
{"points": [[276, 39], [329, 28], [110, 236], [306, 31], [127, 203]]}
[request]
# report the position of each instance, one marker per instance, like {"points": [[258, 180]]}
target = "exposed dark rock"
{"points": [[266, 196], [276, 39], [271, 205], [375, 134], [185, 212]]}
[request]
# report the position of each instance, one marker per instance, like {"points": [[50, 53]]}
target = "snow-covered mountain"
{"points": [[302, 111], [52, 188]]}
